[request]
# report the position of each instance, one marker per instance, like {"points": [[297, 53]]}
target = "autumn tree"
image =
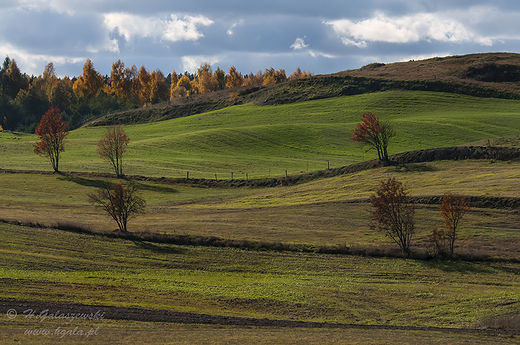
{"points": [[122, 202], [51, 131], [452, 210], [377, 136], [13, 80], [158, 89], [117, 79], [394, 213], [254, 79], [183, 86], [90, 82], [144, 85], [173, 85], [233, 79], [112, 146], [220, 78]]}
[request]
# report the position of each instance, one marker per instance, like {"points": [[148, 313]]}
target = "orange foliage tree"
{"points": [[90, 82], [233, 79], [394, 213], [452, 210], [121, 202], [51, 131], [370, 132], [112, 146]]}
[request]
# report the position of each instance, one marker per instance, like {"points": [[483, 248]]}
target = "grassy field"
{"points": [[313, 213], [268, 140], [49, 265]]}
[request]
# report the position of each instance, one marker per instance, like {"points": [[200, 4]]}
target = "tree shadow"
{"points": [[100, 183], [84, 181], [413, 167], [155, 188], [462, 266], [164, 249]]}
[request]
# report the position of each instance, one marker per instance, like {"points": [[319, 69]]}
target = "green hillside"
{"points": [[267, 140]]}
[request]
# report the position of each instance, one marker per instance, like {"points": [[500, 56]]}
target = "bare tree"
{"points": [[452, 209], [112, 146], [121, 202], [394, 213]]}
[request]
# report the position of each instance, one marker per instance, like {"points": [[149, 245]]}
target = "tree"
{"points": [[173, 85], [158, 89], [371, 132], [233, 79], [394, 213], [220, 78], [51, 131], [145, 85], [90, 82], [121, 202], [112, 146], [452, 210]]}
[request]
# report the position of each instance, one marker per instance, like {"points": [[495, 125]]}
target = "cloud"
{"points": [[33, 63], [173, 29], [404, 29], [299, 44], [191, 63], [233, 26]]}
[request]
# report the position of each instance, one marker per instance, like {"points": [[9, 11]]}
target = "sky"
{"points": [[320, 37]]}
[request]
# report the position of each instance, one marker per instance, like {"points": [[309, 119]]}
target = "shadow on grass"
{"points": [[164, 249], [464, 266], [83, 181], [413, 167], [155, 188], [100, 183]]}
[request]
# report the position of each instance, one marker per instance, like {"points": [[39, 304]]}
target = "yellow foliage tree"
{"points": [[158, 89], [144, 85], [233, 79], [90, 82]]}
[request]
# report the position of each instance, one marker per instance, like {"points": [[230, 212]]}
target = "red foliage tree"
{"points": [[112, 146], [51, 131], [371, 132], [394, 213], [452, 210]]}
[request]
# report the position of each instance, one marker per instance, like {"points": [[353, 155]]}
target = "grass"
{"points": [[49, 265], [314, 213], [153, 333], [268, 140]]}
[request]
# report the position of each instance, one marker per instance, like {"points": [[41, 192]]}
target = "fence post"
{"points": [[216, 177], [187, 175], [231, 176], [285, 173], [328, 165]]}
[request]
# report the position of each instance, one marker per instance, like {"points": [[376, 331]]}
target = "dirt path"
{"points": [[20, 309]]}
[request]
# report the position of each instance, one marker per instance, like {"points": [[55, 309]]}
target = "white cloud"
{"points": [[299, 43], [191, 63], [404, 29], [233, 26], [34, 63], [173, 29]]}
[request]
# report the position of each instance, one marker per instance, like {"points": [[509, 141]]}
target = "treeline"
{"points": [[24, 99]]}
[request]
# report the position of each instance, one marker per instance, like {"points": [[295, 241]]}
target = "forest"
{"points": [[24, 99]]}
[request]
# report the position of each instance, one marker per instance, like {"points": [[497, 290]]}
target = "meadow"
{"points": [[47, 265], [263, 141]]}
